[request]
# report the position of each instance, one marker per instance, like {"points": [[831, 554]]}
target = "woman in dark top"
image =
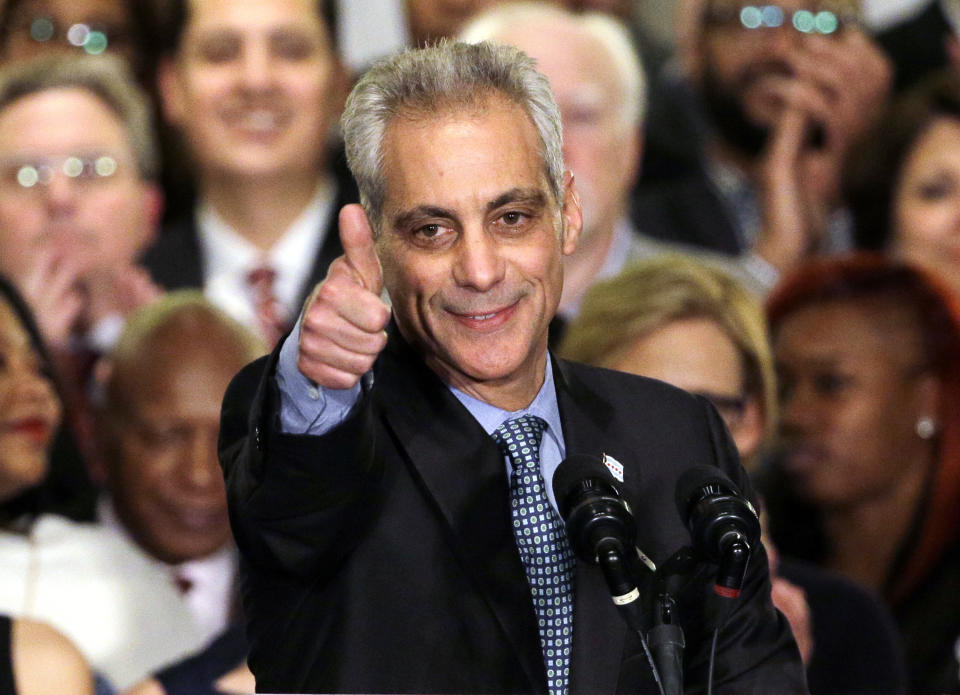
{"points": [[696, 327], [868, 484]]}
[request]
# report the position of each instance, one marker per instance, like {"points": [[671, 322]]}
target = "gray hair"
{"points": [[107, 78], [609, 32], [446, 75]]}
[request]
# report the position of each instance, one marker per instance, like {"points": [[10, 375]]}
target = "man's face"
{"points": [[44, 26], [164, 475], [743, 72], [601, 145], [61, 137], [252, 86], [430, 20], [472, 243]]}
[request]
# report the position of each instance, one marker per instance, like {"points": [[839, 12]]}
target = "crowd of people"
{"points": [[766, 215]]}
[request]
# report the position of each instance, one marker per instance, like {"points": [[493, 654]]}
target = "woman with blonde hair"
{"points": [[657, 307]]}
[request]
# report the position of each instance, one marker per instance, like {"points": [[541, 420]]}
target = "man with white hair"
{"points": [[598, 81]]}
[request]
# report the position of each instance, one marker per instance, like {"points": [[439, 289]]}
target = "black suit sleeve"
{"points": [[283, 488]]}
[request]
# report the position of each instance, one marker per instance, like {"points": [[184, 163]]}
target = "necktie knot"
{"points": [[261, 279], [269, 313], [182, 581], [519, 440]]}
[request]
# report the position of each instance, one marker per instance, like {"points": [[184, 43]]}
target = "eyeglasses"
{"points": [[87, 170], [93, 39], [822, 22]]}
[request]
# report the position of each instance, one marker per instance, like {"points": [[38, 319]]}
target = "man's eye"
{"points": [[428, 231], [431, 235], [160, 437], [513, 218], [293, 47], [219, 49]]}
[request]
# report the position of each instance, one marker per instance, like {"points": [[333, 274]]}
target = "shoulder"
{"points": [[618, 388], [44, 661], [638, 413]]}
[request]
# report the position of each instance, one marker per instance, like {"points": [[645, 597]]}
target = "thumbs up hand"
{"points": [[342, 330]]}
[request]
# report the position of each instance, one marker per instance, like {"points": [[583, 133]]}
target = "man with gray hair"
{"points": [[598, 81], [78, 206], [389, 477], [78, 203]]}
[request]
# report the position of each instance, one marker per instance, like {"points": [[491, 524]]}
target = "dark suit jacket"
{"points": [[380, 557], [688, 210], [175, 260]]}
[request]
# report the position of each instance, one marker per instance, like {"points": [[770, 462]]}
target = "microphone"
{"points": [[599, 522], [722, 523], [603, 532]]}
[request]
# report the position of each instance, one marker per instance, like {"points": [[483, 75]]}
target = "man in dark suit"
{"points": [[254, 86], [379, 463]]}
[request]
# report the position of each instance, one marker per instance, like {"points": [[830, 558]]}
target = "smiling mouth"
{"points": [[257, 121], [486, 321]]}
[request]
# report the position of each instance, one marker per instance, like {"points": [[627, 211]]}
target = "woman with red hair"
{"points": [[868, 484]]}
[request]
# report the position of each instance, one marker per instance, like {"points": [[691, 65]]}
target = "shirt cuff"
{"points": [[305, 407]]}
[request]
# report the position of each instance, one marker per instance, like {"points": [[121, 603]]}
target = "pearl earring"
{"points": [[926, 427]]}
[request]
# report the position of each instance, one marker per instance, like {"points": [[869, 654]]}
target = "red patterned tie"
{"points": [[268, 310]]}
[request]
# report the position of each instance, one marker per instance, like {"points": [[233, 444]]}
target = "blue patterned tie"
{"points": [[543, 545]]}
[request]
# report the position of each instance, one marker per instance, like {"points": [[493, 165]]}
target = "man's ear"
{"points": [[572, 215]]}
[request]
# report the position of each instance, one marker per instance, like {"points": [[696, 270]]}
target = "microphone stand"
{"points": [[665, 638]]}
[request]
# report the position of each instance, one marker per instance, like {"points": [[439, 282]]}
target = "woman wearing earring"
{"points": [[34, 658], [868, 484], [694, 326]]}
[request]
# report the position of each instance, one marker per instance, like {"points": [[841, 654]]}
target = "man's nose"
{"points": [[256, 68], [478, 264], [61, 191], [200, 467], [783, 41]]}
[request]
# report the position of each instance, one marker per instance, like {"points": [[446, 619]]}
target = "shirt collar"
{"points": [[226, 252], [544, 405]]}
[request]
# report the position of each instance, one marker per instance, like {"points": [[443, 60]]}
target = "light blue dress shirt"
{"points": [[306, 408]]}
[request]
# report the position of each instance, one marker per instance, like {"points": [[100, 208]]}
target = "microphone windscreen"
{"points": [[574, 469], [693, 480]]}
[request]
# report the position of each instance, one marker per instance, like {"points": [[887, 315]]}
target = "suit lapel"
{"points": [[467, 482], [599, 631]]}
